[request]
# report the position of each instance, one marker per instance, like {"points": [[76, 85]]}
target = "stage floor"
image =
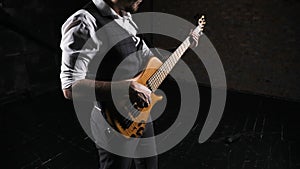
{"points": [[255, 132]]}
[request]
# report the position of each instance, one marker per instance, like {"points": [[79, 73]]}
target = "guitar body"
{"points": [[139, 122]]}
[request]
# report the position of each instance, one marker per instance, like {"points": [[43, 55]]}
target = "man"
{"points": [[77, 58]]}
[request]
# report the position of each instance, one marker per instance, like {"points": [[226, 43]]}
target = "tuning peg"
{"points": [[201, 20]]}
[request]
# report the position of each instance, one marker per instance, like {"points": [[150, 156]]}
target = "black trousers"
{"points": [[109, 160]]}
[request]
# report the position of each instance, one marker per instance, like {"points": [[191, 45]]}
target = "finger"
{"points": [[140, 88], [195, 36], [146, 99], [142, 103], [141, 100], [195, 41]]}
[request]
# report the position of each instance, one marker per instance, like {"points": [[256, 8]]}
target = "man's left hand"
{"points": [[194, 39]]}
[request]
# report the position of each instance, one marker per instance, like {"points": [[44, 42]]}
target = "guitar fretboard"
{"points": [[158, 77]]}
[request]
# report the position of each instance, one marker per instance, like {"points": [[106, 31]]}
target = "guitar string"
{"points": [[160, 75]]}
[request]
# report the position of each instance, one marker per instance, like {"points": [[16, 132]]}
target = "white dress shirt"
{"points": [[82, 26]]}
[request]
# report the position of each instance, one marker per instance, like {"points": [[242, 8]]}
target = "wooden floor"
{"points": [[256, 132]]}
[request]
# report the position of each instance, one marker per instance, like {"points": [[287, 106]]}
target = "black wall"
{"points": [[258, 42]]}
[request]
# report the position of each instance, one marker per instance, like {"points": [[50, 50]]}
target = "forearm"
{"points": [[86, 89]]}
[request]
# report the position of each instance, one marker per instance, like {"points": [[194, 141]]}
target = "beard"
{"points": [[133, 6]]}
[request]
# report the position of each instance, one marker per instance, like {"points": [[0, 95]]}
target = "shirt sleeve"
{"points": [[79, 44], [146, 51]]}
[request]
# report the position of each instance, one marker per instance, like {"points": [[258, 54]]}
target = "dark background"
{"points": [[258, 43]]}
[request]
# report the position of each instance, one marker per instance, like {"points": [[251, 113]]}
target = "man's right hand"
{"points": [[67, 93], [139, 95]]}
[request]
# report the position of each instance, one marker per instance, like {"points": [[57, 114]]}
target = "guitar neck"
{"points": [[158, 77]]}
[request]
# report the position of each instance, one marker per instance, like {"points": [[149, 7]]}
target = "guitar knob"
{"points": [[108, 131], [140, 131]]}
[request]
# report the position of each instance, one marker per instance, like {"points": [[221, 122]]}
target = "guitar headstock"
{"points": [[201, 23]]}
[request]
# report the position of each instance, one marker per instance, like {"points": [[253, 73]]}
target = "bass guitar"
{"points": [[152, 76]]}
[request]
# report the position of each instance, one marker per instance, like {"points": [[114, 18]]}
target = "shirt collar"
{"points": [[106, 10]]}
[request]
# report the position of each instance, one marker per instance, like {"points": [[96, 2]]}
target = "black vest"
{"points": [[123, 51]]}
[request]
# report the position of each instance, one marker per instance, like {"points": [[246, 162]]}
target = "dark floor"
{"points": [[255, 132]]}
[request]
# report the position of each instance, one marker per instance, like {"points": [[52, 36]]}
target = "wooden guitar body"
{"points": [[139, 122]]}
